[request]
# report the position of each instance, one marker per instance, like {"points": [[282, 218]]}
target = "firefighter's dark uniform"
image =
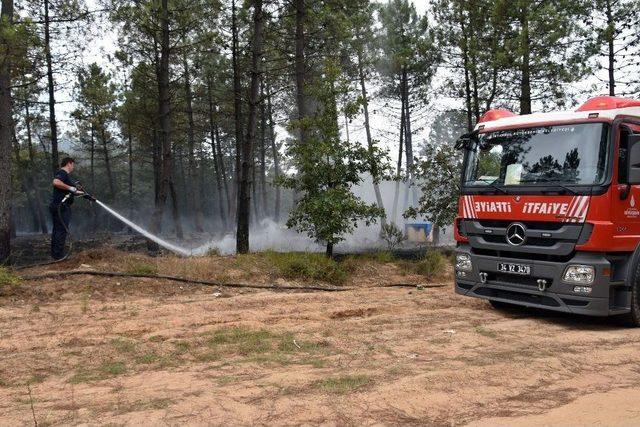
{"points": [[61, 215]]}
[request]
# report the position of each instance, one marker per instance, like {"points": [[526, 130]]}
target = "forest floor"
{"points": [[138, 351]]}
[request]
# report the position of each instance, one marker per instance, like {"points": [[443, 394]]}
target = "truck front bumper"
{"points": [[606, 298]]}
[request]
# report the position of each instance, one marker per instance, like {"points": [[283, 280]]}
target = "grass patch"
{"points": [[142, 268], [148, 358], [432, 265], [343, 384], [123, 346], [112, 368], [308, 266], [258, 346], [486, 332], [7, 278]]}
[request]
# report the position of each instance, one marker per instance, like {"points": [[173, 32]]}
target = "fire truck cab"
{"points": [[549, 212]]}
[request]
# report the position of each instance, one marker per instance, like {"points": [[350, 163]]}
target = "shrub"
{"points": [[392, 235], [431, 265], [302, 265], [7, 278]]}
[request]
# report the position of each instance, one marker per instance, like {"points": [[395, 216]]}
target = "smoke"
{"points": [[269, 235], [169, 246]]}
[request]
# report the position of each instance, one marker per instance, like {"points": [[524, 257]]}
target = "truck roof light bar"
{"points": [[495, 115], [608, 103]]}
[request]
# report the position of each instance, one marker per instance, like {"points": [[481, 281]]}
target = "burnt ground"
{"points": [[124, 351]]}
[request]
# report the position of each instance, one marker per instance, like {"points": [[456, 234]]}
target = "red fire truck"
{"points": [[549, 212]]}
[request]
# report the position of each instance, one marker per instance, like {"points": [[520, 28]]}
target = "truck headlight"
{"points": [[584, 274], [463, 262]]}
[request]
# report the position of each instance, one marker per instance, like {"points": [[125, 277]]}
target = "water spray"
{"points": [[169, 246]]}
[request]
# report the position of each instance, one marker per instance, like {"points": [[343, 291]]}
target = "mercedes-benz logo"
{"points": [[516, 234]]}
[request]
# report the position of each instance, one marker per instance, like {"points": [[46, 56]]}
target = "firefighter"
{"points": [[64, 190]]}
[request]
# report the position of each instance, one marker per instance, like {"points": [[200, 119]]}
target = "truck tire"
{"points": [[632, 319]]}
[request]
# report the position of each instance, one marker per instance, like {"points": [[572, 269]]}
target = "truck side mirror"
{"points": [[633, 159]]}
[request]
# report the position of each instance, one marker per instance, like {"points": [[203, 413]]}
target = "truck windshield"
{"points": [[565, 155]]}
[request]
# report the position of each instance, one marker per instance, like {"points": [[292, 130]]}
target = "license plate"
{"points": [[507, 267]]}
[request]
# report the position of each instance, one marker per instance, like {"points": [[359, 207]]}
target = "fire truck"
{"points": [[549, 211]]}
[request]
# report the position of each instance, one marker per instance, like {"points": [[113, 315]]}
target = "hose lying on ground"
{"points": [[207, 282]]}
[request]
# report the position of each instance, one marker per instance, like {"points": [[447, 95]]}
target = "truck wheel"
{"points": [[499, 305], [632, 319]]}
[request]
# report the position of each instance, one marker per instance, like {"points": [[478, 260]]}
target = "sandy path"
{"points": [[390, 356]]}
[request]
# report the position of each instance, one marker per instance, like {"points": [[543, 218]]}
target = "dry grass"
{"points": [[270, 267]]}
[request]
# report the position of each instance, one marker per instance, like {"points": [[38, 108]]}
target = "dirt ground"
{"points": [[121, 351]]}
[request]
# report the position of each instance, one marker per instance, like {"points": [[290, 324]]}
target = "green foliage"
{"points": [[7, 278], [309, 266], [392, 235], [432, 265], [439, 180], [327, 167]]}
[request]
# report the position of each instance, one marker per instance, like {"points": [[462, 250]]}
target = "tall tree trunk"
{"points": [[300, 68], [130, 164], [396, 194], [53, 124], [408, 140], [276, 158], [263, 152], [611, 49], [244, 198], [193, 195], [164, 117], [223, 168], [373, 169], [25, 187], [525, 83], [107, 164], [6, 16], [237, 108], [216, 159], [467, 79], [42, 221]]}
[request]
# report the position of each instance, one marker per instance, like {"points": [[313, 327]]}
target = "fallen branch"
{"points": [[181, 279]]}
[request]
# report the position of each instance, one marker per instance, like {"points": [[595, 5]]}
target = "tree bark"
{"points": [[244, 197], [107, 164], [396, 194], [6, 16], [611, 49], [263, 155], [193, 193], [525, 84], [216, 160], [53, 124], [164, 116], [42, 221], [237, 108], [467, 79], [373, 169], [300, 68], [276, 158], [408, 140]]}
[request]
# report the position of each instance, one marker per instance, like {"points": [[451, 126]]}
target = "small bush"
{"points": [[392, 235], [431, 265], [7, 278], [314, 266]]}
